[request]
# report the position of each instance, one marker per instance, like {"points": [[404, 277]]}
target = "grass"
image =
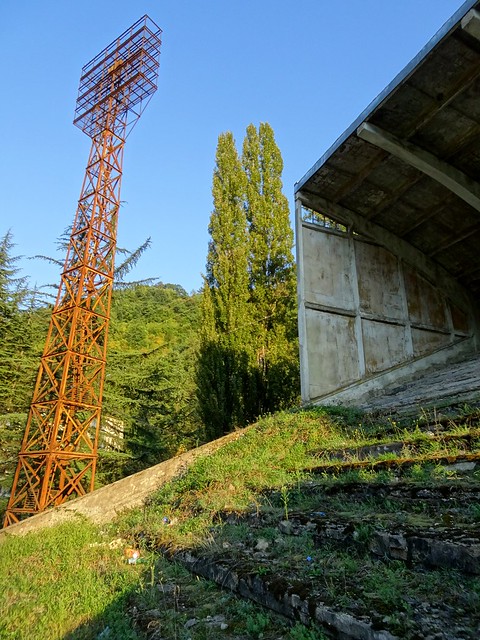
{"points": [[58, 580], [70, 583]]}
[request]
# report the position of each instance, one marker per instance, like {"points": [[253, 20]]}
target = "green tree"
{"points": [[272, 272], [21, 328], [223, 364], [150, 376], [16, 332], [248, 360], [149, 410]]}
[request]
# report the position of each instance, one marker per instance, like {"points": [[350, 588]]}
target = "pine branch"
{"points": [[133, 257]]}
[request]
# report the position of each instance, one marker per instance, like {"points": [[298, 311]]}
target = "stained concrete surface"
{"points": [[451, 385]]}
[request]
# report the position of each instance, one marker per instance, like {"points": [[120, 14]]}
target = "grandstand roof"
{"points": [[410, 164]]}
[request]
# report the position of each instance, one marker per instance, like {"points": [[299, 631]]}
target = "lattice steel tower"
{"points": [[59, 450]]}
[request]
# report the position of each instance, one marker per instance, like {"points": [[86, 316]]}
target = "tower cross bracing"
{"points": [[59, 450]]}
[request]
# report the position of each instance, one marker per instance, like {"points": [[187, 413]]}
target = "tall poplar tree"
{"points": [[223, 365], [272, 280], [248, 360]]}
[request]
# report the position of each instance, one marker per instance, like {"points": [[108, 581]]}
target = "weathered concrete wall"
{"points": [[368, 318]]}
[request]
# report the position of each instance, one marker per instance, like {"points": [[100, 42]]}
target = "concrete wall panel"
{"points": [[327, 259], [426, 305], [425, 341], [385, 345], [379, 281], [459, 319], [332, 351]]}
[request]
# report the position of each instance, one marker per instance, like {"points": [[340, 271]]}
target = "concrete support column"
{"points": [[302, 325], [408, 327], [356, 302]]}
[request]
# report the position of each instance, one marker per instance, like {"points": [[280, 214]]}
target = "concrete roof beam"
{"points": [[471, 23], [444, 173]]}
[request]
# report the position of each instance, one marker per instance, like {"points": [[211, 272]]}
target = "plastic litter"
{"points": [[132, 555]]}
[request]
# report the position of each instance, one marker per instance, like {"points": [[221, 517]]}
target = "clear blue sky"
{"points": [[308, 67]]}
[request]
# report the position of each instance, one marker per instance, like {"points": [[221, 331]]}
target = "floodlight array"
{"points": [[116, 83]]}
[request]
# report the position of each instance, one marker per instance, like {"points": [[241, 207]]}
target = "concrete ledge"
{"points": [[360, 392], [104, 504], [283, 598]]}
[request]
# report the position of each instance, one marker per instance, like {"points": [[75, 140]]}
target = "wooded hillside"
{"points": [[149, 410]]}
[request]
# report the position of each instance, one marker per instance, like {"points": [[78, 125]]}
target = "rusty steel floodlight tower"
{"points": [[58, 455]]}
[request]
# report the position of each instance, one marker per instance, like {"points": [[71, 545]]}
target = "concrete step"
{"points": [[453, 384]]}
